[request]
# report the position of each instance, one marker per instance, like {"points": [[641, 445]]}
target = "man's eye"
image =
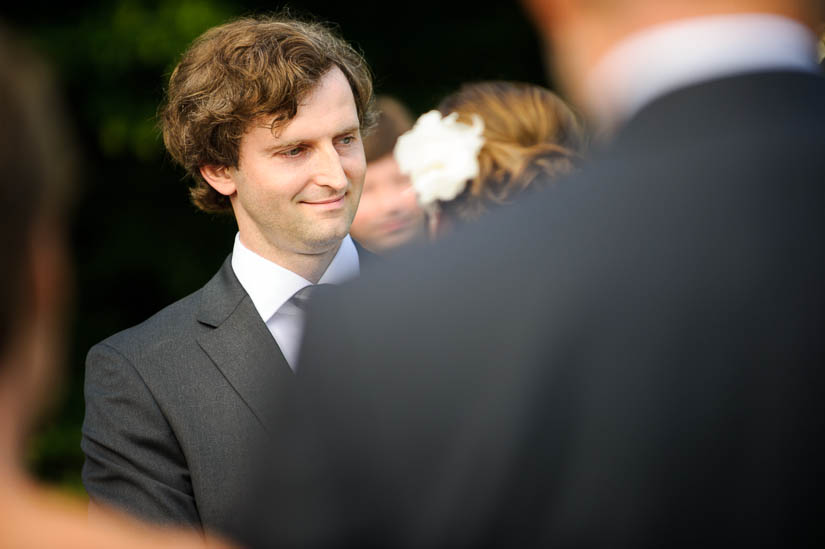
{"points": [[293, 152], [348, 140]]}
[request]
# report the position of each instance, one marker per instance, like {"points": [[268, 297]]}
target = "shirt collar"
{"points": [[270, 286], [674, 55]]}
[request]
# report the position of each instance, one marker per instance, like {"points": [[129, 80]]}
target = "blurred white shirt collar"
{"points": [[673, 55], [271, 286]]}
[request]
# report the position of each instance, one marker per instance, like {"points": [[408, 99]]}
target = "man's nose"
{"points": [[329, 171]]}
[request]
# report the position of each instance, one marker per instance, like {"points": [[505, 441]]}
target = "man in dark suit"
{"points": [[266, 115], [627, 359]]}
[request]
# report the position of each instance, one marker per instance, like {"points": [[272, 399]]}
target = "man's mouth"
{"points": [[327, 201]]}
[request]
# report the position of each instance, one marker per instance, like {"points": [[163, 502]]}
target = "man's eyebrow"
{"points": [[285, 144], [351, 129]]}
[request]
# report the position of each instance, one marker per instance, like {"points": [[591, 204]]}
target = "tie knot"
{"points": [[303, 296]]}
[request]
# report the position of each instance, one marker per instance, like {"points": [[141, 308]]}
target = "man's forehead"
{"points": [[327, 107]]}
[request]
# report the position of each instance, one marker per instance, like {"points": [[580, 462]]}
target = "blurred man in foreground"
{"points": [[632, 357], [37, 161]]}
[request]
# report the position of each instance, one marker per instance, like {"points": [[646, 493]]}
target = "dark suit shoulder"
{"points": [[168, 326], [182, 321]]}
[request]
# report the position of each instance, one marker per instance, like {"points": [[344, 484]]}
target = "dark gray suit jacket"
{"points": [[629, 359], [175, 404]]}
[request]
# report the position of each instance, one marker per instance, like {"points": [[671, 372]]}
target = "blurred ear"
{"points": [[43, 331], [219, 178], [50, 269]]}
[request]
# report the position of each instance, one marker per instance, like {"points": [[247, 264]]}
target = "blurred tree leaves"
{"points": [[110, 52]]}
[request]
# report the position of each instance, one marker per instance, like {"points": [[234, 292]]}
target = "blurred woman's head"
{"points": [[530, 137]]}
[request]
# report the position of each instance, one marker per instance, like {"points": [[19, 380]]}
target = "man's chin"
{"points": [[325, 242]]}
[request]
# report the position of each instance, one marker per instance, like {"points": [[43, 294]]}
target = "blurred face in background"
{"points": [[388, 215]]}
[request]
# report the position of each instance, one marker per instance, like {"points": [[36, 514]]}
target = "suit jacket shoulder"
{"points": [[173, 401]]}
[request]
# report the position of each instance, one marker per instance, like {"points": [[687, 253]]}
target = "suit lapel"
{"points": [[241, 345]]}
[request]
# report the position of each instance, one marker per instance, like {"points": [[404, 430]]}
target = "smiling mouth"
{"points": [[328, 201]]}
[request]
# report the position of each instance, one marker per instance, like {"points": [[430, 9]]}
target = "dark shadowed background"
{"points": [[138, 243]]}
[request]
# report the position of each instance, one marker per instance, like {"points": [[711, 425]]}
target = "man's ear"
{"points": [[219, 178]]}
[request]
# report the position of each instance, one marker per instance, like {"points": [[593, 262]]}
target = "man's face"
{"points": [[297, 189], [388, 215]]}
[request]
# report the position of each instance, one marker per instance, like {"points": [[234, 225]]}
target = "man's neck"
{"points": [[310, 266]]}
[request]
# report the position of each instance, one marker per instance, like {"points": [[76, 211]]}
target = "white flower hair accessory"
{"points": [[440, 155]]}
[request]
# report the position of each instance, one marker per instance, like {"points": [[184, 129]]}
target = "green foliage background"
{"points": [[138, 244]]}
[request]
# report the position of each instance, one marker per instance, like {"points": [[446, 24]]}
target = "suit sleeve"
{"points": [[133, 459]]}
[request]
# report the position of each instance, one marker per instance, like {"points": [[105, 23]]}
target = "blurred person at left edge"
{"points": [[38, 166]]}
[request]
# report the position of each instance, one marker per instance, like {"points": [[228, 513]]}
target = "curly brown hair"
{"points": [[241, 71], [528, 132]]}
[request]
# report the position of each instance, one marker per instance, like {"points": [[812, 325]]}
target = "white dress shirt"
{"points": [[666, 57], [271, 286]]}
